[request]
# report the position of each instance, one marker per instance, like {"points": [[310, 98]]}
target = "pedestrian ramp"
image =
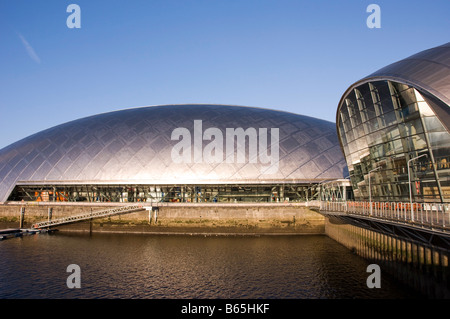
{"points": [[89, 215]]}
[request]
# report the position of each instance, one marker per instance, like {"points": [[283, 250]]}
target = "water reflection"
{"points": [[143, 266]]}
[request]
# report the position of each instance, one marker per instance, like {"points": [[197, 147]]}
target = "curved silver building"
{"points": [[393, 127], [174, 153]]}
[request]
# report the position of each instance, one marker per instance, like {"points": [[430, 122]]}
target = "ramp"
{"points": [[90, 215]]}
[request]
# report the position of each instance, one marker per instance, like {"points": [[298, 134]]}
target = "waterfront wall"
{"points": [[421, 266], [193, 218]]}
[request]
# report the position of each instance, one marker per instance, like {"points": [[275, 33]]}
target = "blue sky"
{"points": [[290, 55]]}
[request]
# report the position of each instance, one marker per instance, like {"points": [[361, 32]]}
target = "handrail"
{"points": [[430, 215], [90, 215]]}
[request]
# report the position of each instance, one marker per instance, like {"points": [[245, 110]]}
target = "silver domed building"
{"points": [[393, 127], [174, 153]]}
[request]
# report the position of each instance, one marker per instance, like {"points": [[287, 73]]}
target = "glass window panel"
{"points": [[387, 105], [411, 128], [409, 112], [393, 133], [348, 127], [415, 143], [396, 102], [355, 160], [442, 159], [375, 124], [363, 153], [439, 139], [383, 89], [361, 143], [364, 90], [390, 118], [408, 97], [377, 151], [352, 147], [394, 95], [349, 135], [388, 147], [343, 138], [350, 102], [377, 137], [400, 87], [370, 111], [360, 130], [425, 109], [344, 113], [432, 123], [397, 146], [346, 150], [342, 134], [355, 118]]}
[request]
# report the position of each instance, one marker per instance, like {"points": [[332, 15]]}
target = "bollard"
{"points": [[90, 225], [22, 217], [150, 215], [155, 215]]}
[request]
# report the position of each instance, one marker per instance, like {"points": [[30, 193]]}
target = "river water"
{"points": [[180, 266]]}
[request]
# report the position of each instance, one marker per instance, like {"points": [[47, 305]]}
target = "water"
{"points": [[197, 267]]}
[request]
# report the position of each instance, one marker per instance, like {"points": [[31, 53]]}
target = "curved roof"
{"points": [[134, 146], [428, 71]]}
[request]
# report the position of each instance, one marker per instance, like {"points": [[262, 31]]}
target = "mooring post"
{"points": [[50, 213], [90, 224], [150, 215], [22, 216], [155, 215]]}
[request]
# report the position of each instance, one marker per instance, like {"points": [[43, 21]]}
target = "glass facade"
{"points": [[393, 143], [166, 193]]}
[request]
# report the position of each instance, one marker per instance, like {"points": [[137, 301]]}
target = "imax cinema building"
{"points": [[393, 127], [175, 153]]}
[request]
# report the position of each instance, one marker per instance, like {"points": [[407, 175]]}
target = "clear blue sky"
{"points": [[296, 56]]}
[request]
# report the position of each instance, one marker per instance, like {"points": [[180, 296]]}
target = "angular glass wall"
{"points": [[394, 142]]}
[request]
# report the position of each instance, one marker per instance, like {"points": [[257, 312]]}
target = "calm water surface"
{"points": [[146, 266]]}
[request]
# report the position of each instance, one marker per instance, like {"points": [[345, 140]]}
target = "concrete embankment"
{"points": [[175, 218]]}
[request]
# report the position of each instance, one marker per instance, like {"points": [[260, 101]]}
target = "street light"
{"points": [[370, 189], [409, 184]]}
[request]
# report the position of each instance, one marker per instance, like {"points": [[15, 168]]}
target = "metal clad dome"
{"points": [[134, 146]]}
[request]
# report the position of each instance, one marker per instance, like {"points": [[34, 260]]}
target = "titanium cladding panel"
{"points": [[428, 70], [134, 146]]}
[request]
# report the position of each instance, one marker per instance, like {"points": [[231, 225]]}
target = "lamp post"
{"points": [[409, 184], [370, 190]]}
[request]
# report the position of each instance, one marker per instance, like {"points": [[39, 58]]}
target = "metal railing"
{"points": [[435, 216], [87, 216]]}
